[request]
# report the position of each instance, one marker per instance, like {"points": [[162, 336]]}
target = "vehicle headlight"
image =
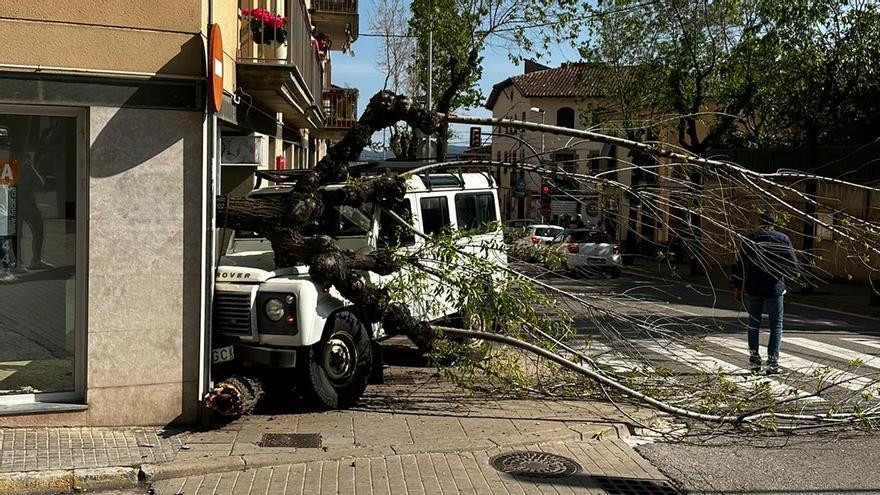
{"points": [[274, 309]]}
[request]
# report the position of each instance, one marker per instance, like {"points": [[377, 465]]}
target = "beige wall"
{"points": [[151, 36], [144, 264], [226, 16], [164, 15]]}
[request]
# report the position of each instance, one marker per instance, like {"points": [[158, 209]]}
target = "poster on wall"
{"points": [[8, 190]]}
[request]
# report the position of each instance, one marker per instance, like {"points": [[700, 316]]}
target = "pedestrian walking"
{"points": [[765, 259]]}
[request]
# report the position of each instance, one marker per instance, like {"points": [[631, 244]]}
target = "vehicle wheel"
{"points": [[333, 373], [471, 322]]}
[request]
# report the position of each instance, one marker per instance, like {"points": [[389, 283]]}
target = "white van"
{"points": [[278, 318]]}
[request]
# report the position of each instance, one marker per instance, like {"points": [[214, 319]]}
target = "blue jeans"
{"points": [[755, 305]]}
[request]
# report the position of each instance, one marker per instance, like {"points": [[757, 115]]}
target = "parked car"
{"points": [[539, 233], [589, 251], [277, 318], [514, 229], [530, 245]]}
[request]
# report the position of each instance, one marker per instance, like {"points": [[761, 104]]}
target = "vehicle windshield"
{"points": [[342, 221]]}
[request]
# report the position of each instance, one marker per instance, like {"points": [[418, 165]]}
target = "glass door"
{"points": [[41, 344]]}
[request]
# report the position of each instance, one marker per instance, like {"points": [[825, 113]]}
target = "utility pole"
{"points": [[430, 73]]}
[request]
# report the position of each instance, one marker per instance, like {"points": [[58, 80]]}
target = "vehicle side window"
{"points": [[435, 214], [475, 211], [391, 233]]}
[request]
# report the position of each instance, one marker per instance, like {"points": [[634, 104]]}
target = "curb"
{"points": [[84, 480], [66, 481]]}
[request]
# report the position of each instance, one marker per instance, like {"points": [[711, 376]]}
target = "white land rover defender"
{"points": [[277, 318]]}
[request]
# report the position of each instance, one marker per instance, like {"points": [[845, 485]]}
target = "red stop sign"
{"points": [[545, 210]]}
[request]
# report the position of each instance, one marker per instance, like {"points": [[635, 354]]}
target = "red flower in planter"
{"points": [[245, 12]]}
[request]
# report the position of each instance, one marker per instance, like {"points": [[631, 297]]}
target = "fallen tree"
{"points": [[292, 225]]}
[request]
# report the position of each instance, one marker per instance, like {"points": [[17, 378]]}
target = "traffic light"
{"points": [[476, 137], [546, 193]]}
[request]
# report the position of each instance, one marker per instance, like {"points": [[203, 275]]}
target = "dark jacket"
{"points": [[765, 260]]}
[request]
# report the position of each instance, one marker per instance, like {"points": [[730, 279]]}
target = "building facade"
{"points": [[554, 96], [110, 160]]}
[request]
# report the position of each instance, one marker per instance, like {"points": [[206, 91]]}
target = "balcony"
{"points": [[340, 112], [338, 19], [284, 78]]}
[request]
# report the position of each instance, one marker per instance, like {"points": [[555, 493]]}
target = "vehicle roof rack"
{"points": [[435, 177], [278, 176]]}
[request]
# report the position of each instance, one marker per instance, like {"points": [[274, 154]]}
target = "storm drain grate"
{"points": [[534, 464], [629, 486], [295, 440]]}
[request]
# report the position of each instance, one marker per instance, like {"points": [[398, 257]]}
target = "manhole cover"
{"points": [[295, 440], [534, 464], [629, 486]]}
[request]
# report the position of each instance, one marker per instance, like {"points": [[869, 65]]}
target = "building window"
{"points": [[40, 167], [565, 117]]}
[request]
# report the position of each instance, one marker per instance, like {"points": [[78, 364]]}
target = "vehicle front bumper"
{"points": [[272, 357], [573, 261]]}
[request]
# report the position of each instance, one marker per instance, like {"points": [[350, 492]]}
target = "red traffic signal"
{"points": [[546, 194]]}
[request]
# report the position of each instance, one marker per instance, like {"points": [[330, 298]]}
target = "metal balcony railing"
{"points": [[299, 51], [340, 107], [337, 6]]}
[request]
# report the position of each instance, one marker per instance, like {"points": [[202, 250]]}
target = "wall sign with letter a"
{"points": [[8, 207]]}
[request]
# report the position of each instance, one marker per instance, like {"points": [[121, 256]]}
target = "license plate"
{"points": [[222, 354]]}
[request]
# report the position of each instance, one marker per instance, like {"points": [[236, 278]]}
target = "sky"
{"points": [[361, 70]]}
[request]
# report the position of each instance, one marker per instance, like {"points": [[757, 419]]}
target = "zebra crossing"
{"points": [[850, 364]]}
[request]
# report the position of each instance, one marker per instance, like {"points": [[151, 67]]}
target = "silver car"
{"points": [[589, 252]]}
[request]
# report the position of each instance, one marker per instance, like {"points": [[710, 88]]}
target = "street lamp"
{"points": [[541, 158], [543, 114]]}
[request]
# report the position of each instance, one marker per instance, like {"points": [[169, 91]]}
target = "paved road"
{"points": [[809, 466], [814, 339], [636, 321]]}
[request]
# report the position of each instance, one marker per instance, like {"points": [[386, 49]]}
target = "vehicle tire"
{"points": [[333, 373]]}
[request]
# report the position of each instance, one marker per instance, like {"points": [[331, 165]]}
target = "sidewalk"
{"points": [[413, 434], [850, 298]]}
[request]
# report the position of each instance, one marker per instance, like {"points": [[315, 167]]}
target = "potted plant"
{"points": [[267, 28]]}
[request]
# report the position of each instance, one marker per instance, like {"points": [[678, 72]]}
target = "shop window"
{"points": [[435, 214], [565, 117], [474, 211], [39, 165]]}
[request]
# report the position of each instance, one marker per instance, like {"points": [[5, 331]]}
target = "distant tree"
{"points": [[397, 61], [461, 30], [820, 74]]}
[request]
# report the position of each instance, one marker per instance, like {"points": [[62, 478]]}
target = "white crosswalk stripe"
{"points": [[739, 376], [845, 379], [603, 354], [863, 341], [836, 351]]}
